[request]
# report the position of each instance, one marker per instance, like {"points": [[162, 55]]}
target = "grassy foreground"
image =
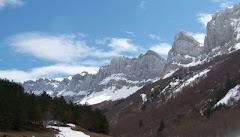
{"points": [[24, 133], [91, 134], [45, 133]]}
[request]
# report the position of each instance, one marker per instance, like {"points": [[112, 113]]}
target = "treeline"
{"points": [[20, 110]]}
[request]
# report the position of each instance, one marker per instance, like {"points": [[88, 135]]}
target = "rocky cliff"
{"points": [[223, 28], [185, 49], [121, 75]]}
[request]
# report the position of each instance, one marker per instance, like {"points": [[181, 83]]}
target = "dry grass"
{"points": [[45, 133], [91, 134]]}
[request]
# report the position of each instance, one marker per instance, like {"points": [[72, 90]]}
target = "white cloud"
{"points": [[117, 45], [47, 71], [94, 63], [122, 45], [142, 4], [4, 3], [82, 35], [198, 37], [106, 54], [102, 41], [204, 18], [162, 48], [154, 37], [67, 48], [225, 3], [130, 33], [61, 48]]}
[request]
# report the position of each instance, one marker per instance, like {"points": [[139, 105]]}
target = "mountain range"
{"points": [[198, 94], [124, 75], [194, 92]]}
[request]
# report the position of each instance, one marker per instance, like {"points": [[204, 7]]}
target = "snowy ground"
{"points": [[111, 93], [192, 79], [233, 94], [68, 132], [169, 74]]}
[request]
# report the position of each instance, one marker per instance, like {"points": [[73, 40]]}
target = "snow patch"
{"points": [[237, 46], [144, 98], [111, 93], [68, 93], [195, 62], [59, 79], [71, 125], [169, 74], [191, 80], [116, 77], [69, 78], [234, 94], [171, 84], [68, 132]]}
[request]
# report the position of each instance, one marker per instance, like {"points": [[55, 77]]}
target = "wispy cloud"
{"points": [[47, 71], [154, 37], [204, 18], [102, 41], [117, 46], [225, 3], [5, 3], [161, 48], [95, 63], [122, 45], [130, 33], [199, 37], [82, 35], [67, 48], [70, 52], [60, 48], [142, 4]]}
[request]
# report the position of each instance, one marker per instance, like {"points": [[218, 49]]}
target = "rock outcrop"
{"points": [[224, 27], [185, 49], [121, 72]]}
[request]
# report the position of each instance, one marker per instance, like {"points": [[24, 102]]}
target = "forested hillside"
{"points": [[20, 110]]}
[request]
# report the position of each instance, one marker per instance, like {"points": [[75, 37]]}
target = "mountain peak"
{"points": [[184, 49], [182, 35], [150, 52], [223, 28]]}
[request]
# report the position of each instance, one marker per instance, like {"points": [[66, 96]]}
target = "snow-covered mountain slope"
{"points": [[231, 97], [121, 78]]}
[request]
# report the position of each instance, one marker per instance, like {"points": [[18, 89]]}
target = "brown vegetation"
{"points": [[24, 133], [190, 113]]}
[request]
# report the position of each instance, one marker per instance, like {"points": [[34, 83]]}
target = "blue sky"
{"points": [[58, 38]]}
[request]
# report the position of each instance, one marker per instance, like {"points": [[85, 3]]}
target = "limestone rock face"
{"points": [[120, 73], [185, 49], [224, 26], [146, 66]]}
